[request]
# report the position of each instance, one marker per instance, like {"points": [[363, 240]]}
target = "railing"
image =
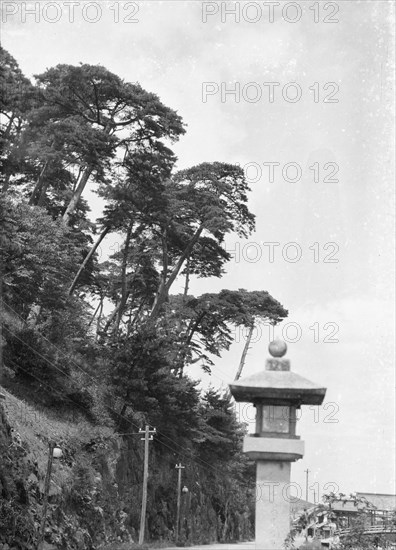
{"points": [[373, 529]]}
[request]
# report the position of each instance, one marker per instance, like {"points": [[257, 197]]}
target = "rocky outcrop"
{"points": [[95, 490], [84, 506]]}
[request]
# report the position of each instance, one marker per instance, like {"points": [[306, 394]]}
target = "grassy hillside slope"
{"points": [[84, 510]]}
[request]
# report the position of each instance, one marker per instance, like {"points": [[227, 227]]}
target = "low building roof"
{"points": [[347, 505], [381, 501]]}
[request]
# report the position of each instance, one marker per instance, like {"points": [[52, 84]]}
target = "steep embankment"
{"points": [[84, 509], [95, 492]]}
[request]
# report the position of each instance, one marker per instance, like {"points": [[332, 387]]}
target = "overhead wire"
{"points": [[182, 454], [70, 358], [196, 460], [73, 361]]}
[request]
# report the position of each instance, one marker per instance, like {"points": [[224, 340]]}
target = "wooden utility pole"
{"points": [[178, 467], [1, 318], [244, 353], [306, 484], [40, 541], [147, 437], [1, 340]]}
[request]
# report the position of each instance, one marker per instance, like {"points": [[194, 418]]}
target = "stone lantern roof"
{"points": [[277, 382]]}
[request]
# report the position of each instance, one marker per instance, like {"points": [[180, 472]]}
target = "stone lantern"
{"points": [[276, 393]]}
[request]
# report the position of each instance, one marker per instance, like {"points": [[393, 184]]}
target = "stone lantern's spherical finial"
{"points": [[277, 348]]}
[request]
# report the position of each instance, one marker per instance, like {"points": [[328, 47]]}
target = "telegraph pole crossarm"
{"points": [[148, 436]]}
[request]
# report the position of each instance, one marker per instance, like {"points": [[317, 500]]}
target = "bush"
{"points": [[17, 527], [78, 494], [25, 352]]}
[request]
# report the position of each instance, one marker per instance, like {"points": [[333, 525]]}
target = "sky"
{"points": [[308, 86]]}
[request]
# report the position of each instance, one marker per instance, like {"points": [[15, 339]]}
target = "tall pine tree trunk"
{"points": [[136, 316], [87, 258], [166, 285], [113, 315], [43, 193], [99, 307], [124, 290], [244, 353], [81, 185], [77, 194], [187, 282], [37, 190]]}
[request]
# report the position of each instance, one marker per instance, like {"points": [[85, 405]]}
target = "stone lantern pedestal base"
{"points": [[272, 504]]}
